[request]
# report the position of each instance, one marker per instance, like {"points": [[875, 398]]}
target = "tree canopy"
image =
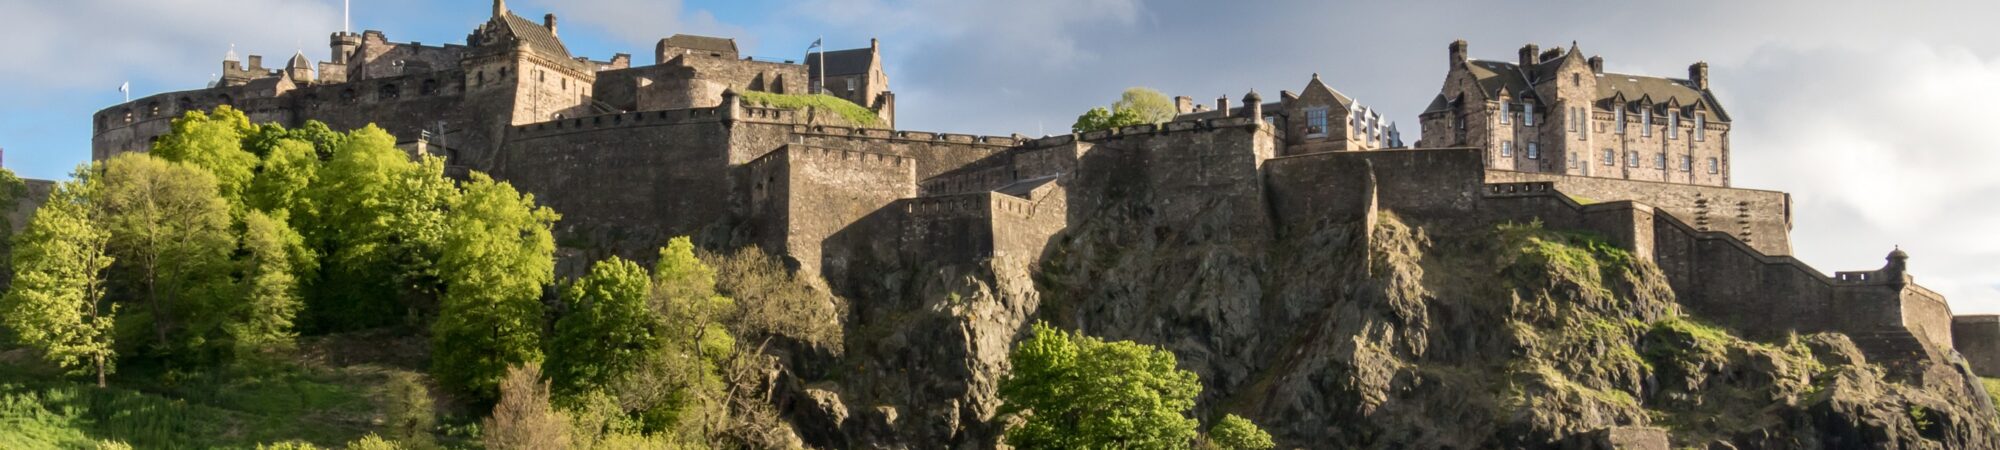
{"points": [[56, 302], [499, 254], [1080, 392], [1136, 106]]}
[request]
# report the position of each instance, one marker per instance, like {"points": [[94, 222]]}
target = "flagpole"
{"points": [[822, 63]]}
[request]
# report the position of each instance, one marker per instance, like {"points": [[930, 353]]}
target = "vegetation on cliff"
{"points": [[852, 113]]}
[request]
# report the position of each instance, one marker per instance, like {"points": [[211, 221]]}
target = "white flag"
{"points": [[125, 88]]}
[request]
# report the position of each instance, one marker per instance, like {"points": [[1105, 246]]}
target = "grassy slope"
{"points": [[846, 109], [327, 406]]}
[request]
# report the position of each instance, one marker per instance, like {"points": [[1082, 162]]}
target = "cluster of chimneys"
{"points": [[1532, 54]]}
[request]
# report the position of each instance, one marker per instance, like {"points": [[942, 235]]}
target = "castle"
{"points": [[632, 156]]}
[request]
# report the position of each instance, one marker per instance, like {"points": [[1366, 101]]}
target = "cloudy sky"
{"points": [[1874, 115]]}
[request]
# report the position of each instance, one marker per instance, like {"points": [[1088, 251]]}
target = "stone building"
{"points": [[1317, 119], [855, 75], [1556, 111]]}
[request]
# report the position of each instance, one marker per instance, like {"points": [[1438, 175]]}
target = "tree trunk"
{"points": [[99, 360]]}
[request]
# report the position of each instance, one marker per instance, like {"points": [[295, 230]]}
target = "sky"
{"points": [[1876, 116]]}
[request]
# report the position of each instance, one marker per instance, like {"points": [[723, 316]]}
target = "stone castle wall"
{"points": [[1761, 218], [1307, 190], [1978, 339]]}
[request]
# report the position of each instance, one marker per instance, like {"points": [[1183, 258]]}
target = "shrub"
{"points": [[523, 419]]}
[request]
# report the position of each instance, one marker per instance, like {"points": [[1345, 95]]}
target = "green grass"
{"points": [[847, 110], [1992, 388]]}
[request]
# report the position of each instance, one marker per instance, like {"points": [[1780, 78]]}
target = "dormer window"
{"points": [[1506, 110], [1700, 127], [1621, 119], [1316, 122], [1646, 122], [1528, 113], [1673, 125]]}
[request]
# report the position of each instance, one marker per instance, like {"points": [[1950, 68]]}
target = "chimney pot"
{"points": [[1457, 53]]}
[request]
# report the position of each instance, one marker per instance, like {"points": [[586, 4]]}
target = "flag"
{"points": [[125, 88], [816, 44]]}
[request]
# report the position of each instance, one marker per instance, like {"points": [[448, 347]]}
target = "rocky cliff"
{"points": [[1380, 333]]}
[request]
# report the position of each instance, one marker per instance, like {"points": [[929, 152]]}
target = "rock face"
{"points": [[1370, 334]]}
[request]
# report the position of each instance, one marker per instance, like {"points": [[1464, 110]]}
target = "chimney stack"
{"points": [[1183, 104], [1457, 53], [1529, 53], [1222, 104], [499, 8], [1698, 74], [549, 20], [1597, 65]]}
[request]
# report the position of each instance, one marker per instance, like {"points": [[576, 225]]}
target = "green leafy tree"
{"points": [[269, 291], [213, 142], [1237, 433], [377, 220], [1079, 392], [608, 332], [12, 190], [680, 388], [56, 303], [499, 254], [170, 233], [288, 169], [1148, 105], [1136, 106]]}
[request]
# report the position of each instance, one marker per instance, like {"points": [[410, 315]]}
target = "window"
{"points": [[1575, 79], [1507, 148], [1660, 161], [1506, 110], [1646, 122], [850, 85], [1687, 163], [1572, 160], [1610, 157], [1700, 127], [429, 87], [541, 76], [1528, 114], [1673, 125], [1632, 158], [1574, 118], [388, 92], [1534, 151], [1315, 122], [1714, 167], [1621, 119]]}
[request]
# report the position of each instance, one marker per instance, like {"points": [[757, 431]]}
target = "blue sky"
{"points": [[1876, 116]]}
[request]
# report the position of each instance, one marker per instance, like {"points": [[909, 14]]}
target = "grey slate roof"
{"points": [[842, 62], [536, 36], [1494, 75], [704, 43]]}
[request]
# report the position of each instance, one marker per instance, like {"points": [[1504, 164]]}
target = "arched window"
{"points": [[430, 87], [347, 95], [388, 92]]}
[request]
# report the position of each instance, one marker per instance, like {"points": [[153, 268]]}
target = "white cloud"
{"points": [[93, 43], [639, 22]]}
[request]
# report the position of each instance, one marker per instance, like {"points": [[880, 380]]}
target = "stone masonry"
{"points": [[632, 156]]}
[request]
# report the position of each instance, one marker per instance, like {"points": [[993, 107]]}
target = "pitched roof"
{"points": [[535, 35], [1496, 75], [843, 62], [711, 44]]}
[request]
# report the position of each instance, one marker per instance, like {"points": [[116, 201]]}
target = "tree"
{"points": [[1136, 106], [279, 188], [1079, 392], [524, 419], [56, 303], [12, 190], [1146, 104], [499, 254], [213, 142], [680, 387], [411, 413], [607, 333], [774, 302], [1237, 433], [170, 232], [269, 292], [377, 220]]}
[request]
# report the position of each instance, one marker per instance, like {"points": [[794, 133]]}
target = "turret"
{"points": [[1253, 105], [343, 45]]}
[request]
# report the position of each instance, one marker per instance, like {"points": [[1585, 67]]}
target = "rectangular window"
{"points": [[1632, 158], [1687, 163], [1572, 160], [1505, 111], [1621, 120], [1610, 157], [1507, 149], [1700, 127], [1660, 161], [1673, 125], [1574, 118], [1646, 123], [1714, 167], [850, 84], [1527, 114], [1534, 151], [1315, 122]]}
